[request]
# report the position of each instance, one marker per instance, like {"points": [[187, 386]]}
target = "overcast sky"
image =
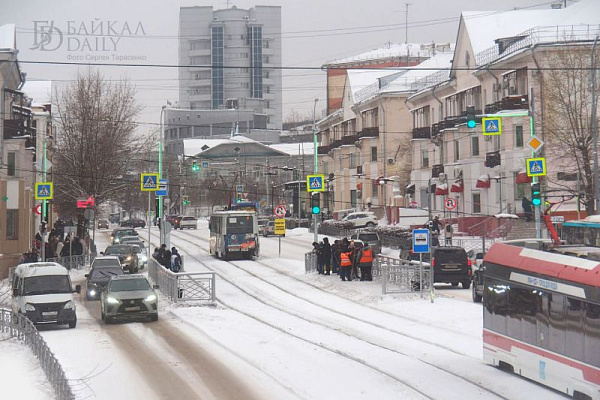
{"points": [[313, 31]]}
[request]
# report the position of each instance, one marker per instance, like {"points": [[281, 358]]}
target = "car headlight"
{"points": [[150, 297], [112, 300], [92, 292], [29, 307], [144, 258], [116, 240], [69, 305], [128, 258]]}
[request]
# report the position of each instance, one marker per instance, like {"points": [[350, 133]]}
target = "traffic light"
{"points": [[239, 197], [535, 194], [195, 166], [471, 123], [315, 203], [186, 200]]}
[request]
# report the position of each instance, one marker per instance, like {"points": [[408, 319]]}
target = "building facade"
{"points": [[231, 54]]}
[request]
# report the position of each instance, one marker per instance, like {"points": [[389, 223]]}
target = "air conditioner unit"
{"points": [[390, 160]]}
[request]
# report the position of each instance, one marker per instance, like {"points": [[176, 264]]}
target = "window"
{"points": [[520, 188], [425, 158], [374, 153], [456, 151], [592, 334], [266, 44], [476, 200], [267, 74], [475, 145], [12, 224], [267, 89], [11, 164], [353, 198], [267, 59], [497, 144], [375, 189], [352, 160], [267, 104], [518, 136]]}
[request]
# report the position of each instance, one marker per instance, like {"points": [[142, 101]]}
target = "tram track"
{"points": [[337, 330]]}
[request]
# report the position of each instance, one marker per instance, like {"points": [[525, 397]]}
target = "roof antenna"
{"points": [[406, 24]]}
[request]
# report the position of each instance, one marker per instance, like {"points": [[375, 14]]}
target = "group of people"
{"points": [[436, 226], [344, 258], [170, 259], [55, 247]]}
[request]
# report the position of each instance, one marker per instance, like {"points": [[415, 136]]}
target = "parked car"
{"points": [[43, 292], [478, 269], [134, 223], [268, 229], [451, 265], [361, 219], [136, 241], [128, 297], [174, 220], [188, 223], [370, 237], [118, 233], [140, 253], [102, 224], [127, 256], [98, 278]]}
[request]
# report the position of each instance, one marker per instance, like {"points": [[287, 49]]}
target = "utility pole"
{"points": [[316, 169], [44, 206], [594, 124], [538, 232], [160, 216]]}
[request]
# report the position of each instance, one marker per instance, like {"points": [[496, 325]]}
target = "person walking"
{"points": [[365, 262], [175, 260], [448, 231], [326, 250], [345, 264], [59, 248], [166, 259], [526, 204], [318, 253], [335, 254], [435, 225], [354, 251]]}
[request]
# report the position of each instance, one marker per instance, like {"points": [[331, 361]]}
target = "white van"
{"points": [[43, 292]]}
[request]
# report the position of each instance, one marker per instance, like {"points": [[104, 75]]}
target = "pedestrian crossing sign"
{"points": [[492, 126], [149, 182], [44, 190], [314, 183], [536, 166]]}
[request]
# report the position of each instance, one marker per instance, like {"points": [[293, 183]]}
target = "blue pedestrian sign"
{"points": [[204, 164], [162, 187], [315, 183], [44, 190], [420, 241], [536, 166], [149, 182], [492, 126]]}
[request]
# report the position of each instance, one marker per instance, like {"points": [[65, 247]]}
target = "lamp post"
{"points": [[316, 169], [159, 216], [594, 124]]}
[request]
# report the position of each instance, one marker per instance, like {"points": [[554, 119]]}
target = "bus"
{"points": [[234, 234], [584, 231], [541, 317]]}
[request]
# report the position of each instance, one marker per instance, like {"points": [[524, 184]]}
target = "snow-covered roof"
{"points": [[39, 91], [8, 37], [359, 79], [422, 74], [295, 149], [192, 147], [388, 51]]}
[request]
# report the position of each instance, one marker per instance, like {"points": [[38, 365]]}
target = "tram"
{"points": [[541, 317], [234, 234], [584, 232]]}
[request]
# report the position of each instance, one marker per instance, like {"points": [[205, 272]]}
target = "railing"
{"points": [[421, 133], [402, 276], [73, 262], [18, 326], [310, 262], [183, 286]]}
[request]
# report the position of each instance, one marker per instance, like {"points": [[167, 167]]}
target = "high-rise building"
{"points": [[232, 60]]}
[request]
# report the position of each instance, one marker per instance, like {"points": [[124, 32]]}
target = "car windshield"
{"points": [[369, 237], [105, 263], [189, 218], [136, 248], [240, 224], [126, 232], [46, 284], [117, 250], [105, 273], [128, 285], [451, 256]]}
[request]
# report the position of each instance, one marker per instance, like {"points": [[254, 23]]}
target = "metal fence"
{"points": [[18, 326], [402, 276], [310, 262], [183, 286], [73, 262]]}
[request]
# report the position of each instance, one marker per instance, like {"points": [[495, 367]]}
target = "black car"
{"points": [[118, 233], [451, 265], [98, 278], [102, 223], [127, 256], [134, 223]]}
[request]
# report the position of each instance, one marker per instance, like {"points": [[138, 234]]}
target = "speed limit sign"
{"points": [[450, 203]]}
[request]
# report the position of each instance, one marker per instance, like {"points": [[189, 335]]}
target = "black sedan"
{"points": [[97, 280], [134, 223]]}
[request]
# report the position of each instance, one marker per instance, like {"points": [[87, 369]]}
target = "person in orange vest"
{"points": [[345, 265], [365, 262]]}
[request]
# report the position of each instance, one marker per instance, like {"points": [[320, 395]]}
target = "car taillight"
{"points": [[433, 262], [468, 262]]}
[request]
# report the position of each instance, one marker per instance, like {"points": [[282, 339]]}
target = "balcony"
{"points": [[515, 102], [436, 170], [323, 150], [15, 128], [422, 133], [369, 132], [436, 128]]}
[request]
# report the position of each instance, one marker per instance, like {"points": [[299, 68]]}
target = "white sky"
{"points": [[314, 32]]}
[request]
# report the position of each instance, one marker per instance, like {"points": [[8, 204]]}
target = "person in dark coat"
{"points": [[175, 260], [77, 247], [320, 258], [166, 259], [365, 262], [326, 254], [335, 256], [526, 204], [65, 252]]}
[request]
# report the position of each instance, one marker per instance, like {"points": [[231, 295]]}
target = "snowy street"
{"points": [[278, 333]]}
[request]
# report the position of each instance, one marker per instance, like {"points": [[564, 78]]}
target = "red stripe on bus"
{"points": [[590, 374]]}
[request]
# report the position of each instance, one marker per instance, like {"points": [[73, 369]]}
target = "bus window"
{"points": [[575, 317], [556, 306], [240, 224], [529, 300], [514, 315], [542, 323], [592, 334]]}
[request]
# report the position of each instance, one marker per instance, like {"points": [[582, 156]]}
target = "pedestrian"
{"points": [[345, 264], [175, 260], [448, 231], [157, 254], [65, 252], [335, 254], [24, 258], [326, 254], [356, 246], [435, 225], [526, 204], [77, 247], [365, 262], [317, 250], [166, 259]]}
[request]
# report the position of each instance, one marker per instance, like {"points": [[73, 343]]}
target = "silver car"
{"points": [[129, 297]]}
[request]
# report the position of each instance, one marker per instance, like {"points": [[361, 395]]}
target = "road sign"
{"points": [[39, 165], [280, 226], [450, 203], [44, 190], [38, 209], [536, 166], [420, 241], [239, 188], [149, 182], [492, 126], [535, 144], [89, 214], [162, 187], [204, 164], [279, 211], [315, 183]]}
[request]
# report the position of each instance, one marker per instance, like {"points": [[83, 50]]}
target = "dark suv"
{"points": [[98, 278], [127, 256], [451, 265], [134, 223]]}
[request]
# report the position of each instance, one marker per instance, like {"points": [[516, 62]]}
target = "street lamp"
{"points": [[315, 217]]}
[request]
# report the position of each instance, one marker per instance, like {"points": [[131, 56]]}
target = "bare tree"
{"points": [[97, 150], [567, 123]]}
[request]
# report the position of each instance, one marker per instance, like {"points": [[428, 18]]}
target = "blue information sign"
{"points": [[420, 241], [162, 187]]}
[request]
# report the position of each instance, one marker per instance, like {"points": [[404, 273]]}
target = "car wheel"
{"points": [[108, 320], [154, 318], [454, 284], [73, 324], [370, 224], [476, 297], [466, 284]]}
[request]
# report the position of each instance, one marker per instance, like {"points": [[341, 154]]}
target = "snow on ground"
{"points": [[21, 372]]}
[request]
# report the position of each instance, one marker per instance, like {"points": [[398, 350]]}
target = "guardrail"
{"points": [[310, 262], [183, 286], [73, 262], [402, 276], [18, 326]]}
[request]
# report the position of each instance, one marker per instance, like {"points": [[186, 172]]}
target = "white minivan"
{"points": [[42, 291]]}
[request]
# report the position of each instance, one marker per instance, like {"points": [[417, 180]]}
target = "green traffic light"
{"points": [[471, 124], [536, 202], [316, 210]]}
